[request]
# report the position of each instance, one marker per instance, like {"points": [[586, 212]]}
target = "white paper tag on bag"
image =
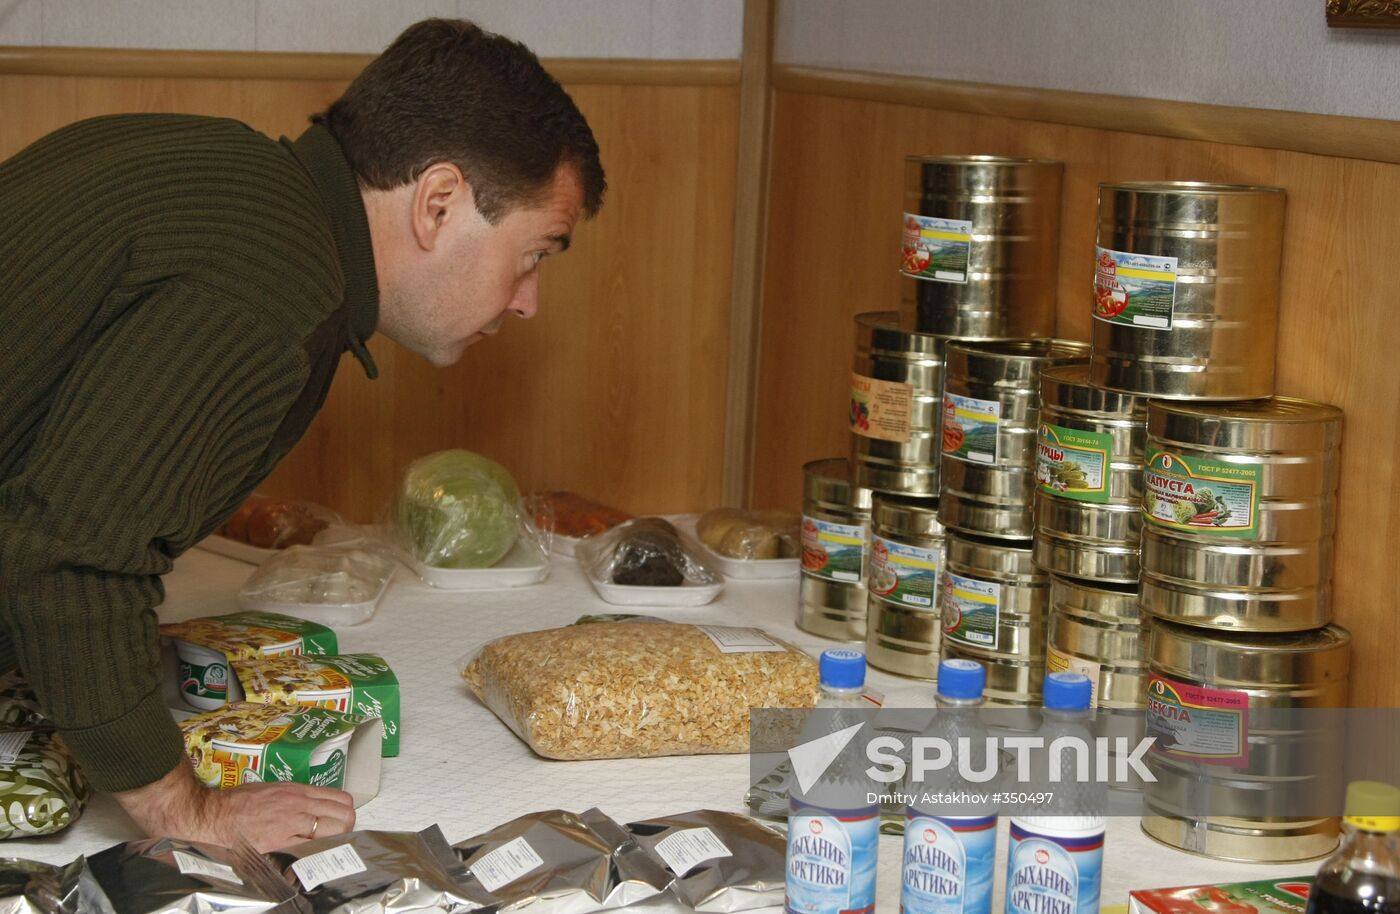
{"points": [[191, 865], [735, 640], [506, 864], [328, 866], [684, 850], [12, 744]]}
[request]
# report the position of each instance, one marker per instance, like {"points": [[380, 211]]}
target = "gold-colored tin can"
{"points": [[991, 415], [896, 405], [1218, 794], [980, 245], [1186, 289], [993, 611], [835, 527], [1240, 506], [1088, 503], [904, 568], [1095, 629]]}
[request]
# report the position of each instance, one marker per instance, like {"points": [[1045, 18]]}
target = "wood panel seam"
{"points": [[129, 62], [1295, 131]]}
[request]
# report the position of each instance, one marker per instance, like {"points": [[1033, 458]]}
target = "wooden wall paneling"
{"points": [[836, 185]]}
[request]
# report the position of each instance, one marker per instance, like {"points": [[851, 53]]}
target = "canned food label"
{"points": [[903, 574], [1073, 464], [1202, 496], [1134, 289], [936, 249], [971, 609], [970, 428], [882, 409], [1194, 722], [1059, 662], [835, 552]]}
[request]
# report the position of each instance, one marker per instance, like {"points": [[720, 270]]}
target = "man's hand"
{"points": [[268, 816]]}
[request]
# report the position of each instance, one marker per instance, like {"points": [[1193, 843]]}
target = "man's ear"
{"points": [[440, 194]]}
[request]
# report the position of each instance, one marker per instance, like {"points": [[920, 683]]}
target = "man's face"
{"points": [[461, 276]]}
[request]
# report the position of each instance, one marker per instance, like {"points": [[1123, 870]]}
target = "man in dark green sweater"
{"points": [[176, 293]]}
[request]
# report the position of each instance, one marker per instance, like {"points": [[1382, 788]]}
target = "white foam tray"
{"points": [[739, 569], [521, 567], [233, 549]]}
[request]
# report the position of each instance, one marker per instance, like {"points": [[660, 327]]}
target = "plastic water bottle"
{"points": [[833, 828], [1055, 862], [950, 860]]}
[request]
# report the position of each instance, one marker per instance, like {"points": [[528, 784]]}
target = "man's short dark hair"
{"points": [[448, 91]]}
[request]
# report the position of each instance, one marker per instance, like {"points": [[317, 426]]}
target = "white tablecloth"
{"points": [[463, 769]]}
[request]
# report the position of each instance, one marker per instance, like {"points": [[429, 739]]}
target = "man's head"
{"points": [[474, 164]]}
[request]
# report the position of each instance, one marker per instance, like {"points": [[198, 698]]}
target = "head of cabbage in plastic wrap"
{"points": [[457, 509], [474, 165]]}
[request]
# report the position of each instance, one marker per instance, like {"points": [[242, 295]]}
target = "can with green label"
{"points": [[904, 568], [896, 405], [991, 415], [1089, 458], [1243, 760], [835, 528], [1239, 504], [1185, 293], [993, 611], [979, 245]]}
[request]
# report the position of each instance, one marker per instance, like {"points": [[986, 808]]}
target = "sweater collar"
{"points": [[320, 155]]}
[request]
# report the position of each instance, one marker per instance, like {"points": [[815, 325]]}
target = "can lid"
{"points": [[1267, 409], [843, 668], [958, 678], [1069, 387], [1373, 806], [1194, 188], [981, 160], [1068, 692]]}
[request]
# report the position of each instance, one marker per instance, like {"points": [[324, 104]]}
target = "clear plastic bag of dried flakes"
{"points": [[278, 523], [637, 689], [332, 585], [646, 552]]}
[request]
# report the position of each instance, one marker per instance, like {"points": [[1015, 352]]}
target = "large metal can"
{"points": [[980, 245], [1240, 748], [1095, 629], [1240, 502], [1088, 503], [1186, 289], [835, 526], [904, 568], [993, 612], [896, 405], [991, 415]]}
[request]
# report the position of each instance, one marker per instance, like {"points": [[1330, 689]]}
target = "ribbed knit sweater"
{"points": [[175, 295]]}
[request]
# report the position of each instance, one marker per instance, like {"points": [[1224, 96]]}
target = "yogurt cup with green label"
{"points": [[205, 680]]}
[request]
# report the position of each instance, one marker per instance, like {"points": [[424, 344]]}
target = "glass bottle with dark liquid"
{"points": [[1363, 876]]}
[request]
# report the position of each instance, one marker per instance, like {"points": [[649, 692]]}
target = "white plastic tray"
{"points": [[332, 615], [233, 549], [687, 593], [521, 567], [739, 569]]}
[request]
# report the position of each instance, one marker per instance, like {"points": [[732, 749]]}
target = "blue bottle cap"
{"points": [[961, 679], [1068, 692], [842, 668]]}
